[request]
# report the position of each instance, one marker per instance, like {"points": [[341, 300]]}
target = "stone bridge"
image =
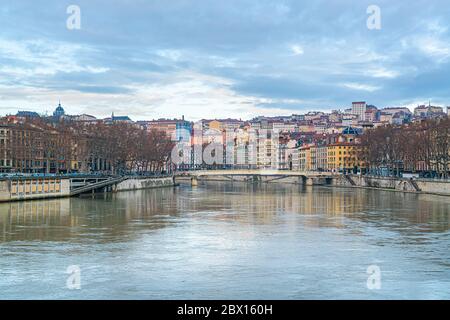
{"points": [[261, 175]]}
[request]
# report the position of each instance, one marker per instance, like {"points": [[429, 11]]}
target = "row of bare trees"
{"points": [[125, 146], [39, 145], [416, 147]]}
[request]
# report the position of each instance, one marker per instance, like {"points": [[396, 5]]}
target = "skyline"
{"points": [[49, 112], [236, 59]]}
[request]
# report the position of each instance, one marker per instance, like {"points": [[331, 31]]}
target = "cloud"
{"points": [[186, 93], [434, 48], [436, 26], [360, 86], [297, 50], [383, 73], [229, 58], [25, 59]]}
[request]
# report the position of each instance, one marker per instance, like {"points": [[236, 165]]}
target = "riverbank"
{"points": [[144, 183], [33, 188], [425, 186]]}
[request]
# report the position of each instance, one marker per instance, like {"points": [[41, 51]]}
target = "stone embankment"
{"points": [[431, 186], [31, 188]]}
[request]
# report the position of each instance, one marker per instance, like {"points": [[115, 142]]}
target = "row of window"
{"points": [[332, 153], [5, 163], [35, 186], [348, 159]]}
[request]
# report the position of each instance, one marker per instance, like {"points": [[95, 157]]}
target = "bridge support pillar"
{"points": [[309, 181], [194, 181]]}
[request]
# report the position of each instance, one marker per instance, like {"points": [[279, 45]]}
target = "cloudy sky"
{"points": [[209, 58]]}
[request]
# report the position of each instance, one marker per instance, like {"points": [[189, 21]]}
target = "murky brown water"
{"points": [[223, 240]]}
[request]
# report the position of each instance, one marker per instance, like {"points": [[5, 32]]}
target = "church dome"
{"points": [[59, 111]]}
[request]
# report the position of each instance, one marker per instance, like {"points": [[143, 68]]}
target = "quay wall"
{"points": [[34, 188], [143, 183], [430, 186], [22, 189], [440, 187]]}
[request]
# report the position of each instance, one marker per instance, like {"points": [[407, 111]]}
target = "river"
{"points": [[223, 240]]}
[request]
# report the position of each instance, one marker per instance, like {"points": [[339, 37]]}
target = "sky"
{"points": [[150, 59]]}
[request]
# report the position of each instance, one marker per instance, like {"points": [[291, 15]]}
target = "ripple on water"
{"points": [[223, 240]]}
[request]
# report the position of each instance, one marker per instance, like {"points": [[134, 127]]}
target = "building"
{"points": [[183, 131], [343, 157], [350, 135], [281, 152], [27, 114], [222, 124], [117, 119], [24, 148], [59, 111], [285, 127], [39, 147], [124, 119], [318, 158], [321, 163], [312, 165], [394, 110], [320, 127], [5, 153], [372, 114], [178, 130], [292, 154], [265, 149], [424, 111], [386, 117], [306, 128], [84, 118], [349, 119], [359, 109], [304, 158], [241, 157], [335, 116], [314, 115]]}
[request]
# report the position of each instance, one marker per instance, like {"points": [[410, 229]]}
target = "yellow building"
{"points": [[343, 156], [215, 125], [304, 157], [312, 158]]}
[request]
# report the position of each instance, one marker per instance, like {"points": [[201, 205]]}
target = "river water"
{"points": [[222, 240]]}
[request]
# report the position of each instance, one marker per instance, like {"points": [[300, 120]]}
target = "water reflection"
{"points": [[113, 215]]}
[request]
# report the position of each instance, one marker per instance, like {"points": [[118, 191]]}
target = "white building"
{"points": [[359, 109], [349, 120], [285, 127]]}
